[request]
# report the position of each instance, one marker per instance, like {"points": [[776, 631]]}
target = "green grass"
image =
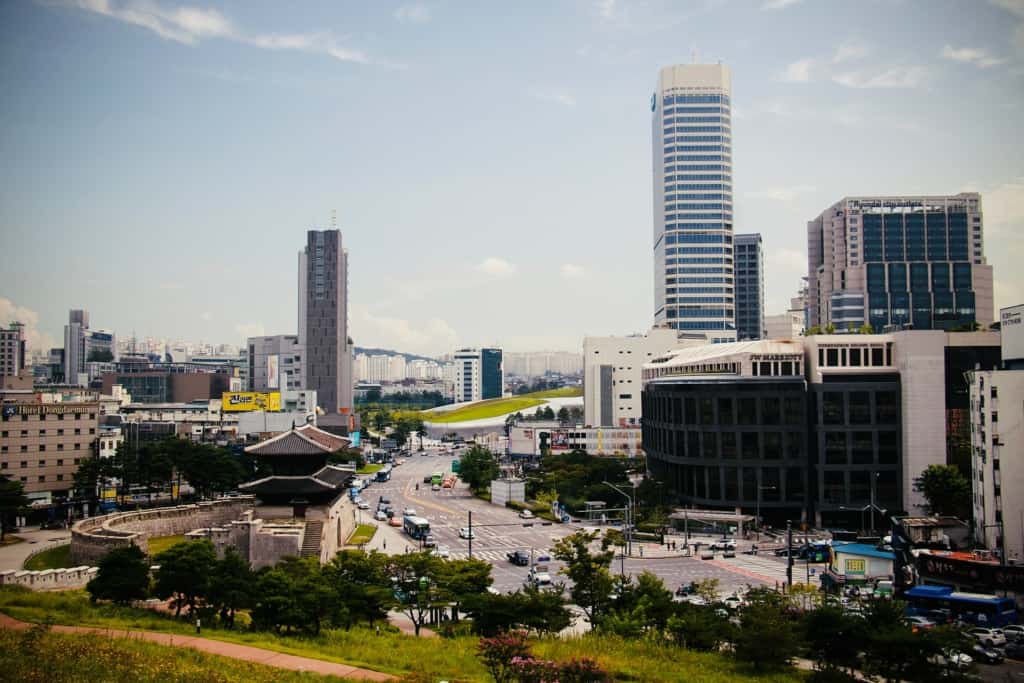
{"points": [[63, 657], [362, 534], [51, 558], [564, 392], [368, 469], [494, 407], [158, 544], [452, 659]]}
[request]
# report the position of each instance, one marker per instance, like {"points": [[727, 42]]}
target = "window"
{"points": [[728, 445], [863, 448], [59, 462], [42, 478], [751, 446], [886, 407], [770, 410], [835, 448], [860, 407], [60, 477], [772, 445], [832, 408], [794, 411], [725, 415], [747, 411], [710, 445], [42, 447], [24, 463], [835, 488]]}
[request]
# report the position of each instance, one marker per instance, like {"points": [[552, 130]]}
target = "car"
{"points": [[989, 637], [987, 655], [707, 555], [543, 558], [465, 532], [539, 577], [732, 602], [941, 616], [429, 541], [697, 600], [685, 590], [442, 551], [380, 516], [363, 505], [728, 553], [1015, 649], [426, 479], [918, 622], [1013, 632], [724, 544], [435, 487], [518, 557], [394, 521], [951, 659], [409, 512], [526, 514]]}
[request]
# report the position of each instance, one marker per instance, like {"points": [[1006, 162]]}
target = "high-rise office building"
{"points": [[479, 374], [323, 320], [899, 263], [74, 346], [692, 148], [749, 271], [12, 350]]}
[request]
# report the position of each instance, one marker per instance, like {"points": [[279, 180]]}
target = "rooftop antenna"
{"points": [[334, 219]]}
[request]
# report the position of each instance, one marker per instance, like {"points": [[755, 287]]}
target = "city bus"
{"points": [[990, 611], [384, 473], [416, 527], [437, 478]]}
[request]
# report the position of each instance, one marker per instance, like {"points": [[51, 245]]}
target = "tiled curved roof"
{"points": [[304, 440]]}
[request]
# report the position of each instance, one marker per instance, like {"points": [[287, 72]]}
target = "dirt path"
{"points": [[224, 649]]}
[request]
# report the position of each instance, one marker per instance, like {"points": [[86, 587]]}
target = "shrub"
{"points": [[499, 652]]}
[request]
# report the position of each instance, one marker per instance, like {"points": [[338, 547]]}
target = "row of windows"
{"points": [[697, 250], [708, 187], [42, 432], [41, 448], [55, 418], [700, 299], [697, 260], [722, 149], [41, 463], [699, 313], [684, 133], [860, 407], [698, 206], [694, 110], [694, 99], [697, 290], [698, 217], [696, 280], [719, 118], [690, 139], [706, 197], [699, 237], [698, 226], [685, 168], [726, 410]]}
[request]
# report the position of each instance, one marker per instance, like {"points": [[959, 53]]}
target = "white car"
{"points": [[1013, 632], [442, 551], [952, 660], [526, 514], [464, 532], [363, 505], [989, 637], [409, 512], [920, 622], [732, 602], [380, 516]]}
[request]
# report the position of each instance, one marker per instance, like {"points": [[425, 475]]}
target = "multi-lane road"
{"points": [[498, 530]]}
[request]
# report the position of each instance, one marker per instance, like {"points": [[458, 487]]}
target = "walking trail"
{"points": [[221, 648]]}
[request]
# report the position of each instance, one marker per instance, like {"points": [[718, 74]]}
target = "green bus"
{"points": [[436, 478], [455, 465]]}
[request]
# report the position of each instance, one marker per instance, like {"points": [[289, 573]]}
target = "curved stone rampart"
{"points": [[93, 538]]}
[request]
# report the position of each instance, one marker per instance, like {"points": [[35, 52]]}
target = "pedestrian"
{"points": [[385, 542], [378, 629], [641, 552], [199, 626]]}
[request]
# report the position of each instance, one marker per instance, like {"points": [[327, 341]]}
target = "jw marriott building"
{"points": [[693, 227]]}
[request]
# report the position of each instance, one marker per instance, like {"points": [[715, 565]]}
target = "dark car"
{"points": [[426, 479], [1015, 649], [519, 557], [985, 654], [684, 590]]}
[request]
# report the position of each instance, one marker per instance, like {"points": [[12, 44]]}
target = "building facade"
{"points": [[275, 363], [12, 350], [479, 374], [899, 263], [748, 269], [323, 320], [528, 439], [612, 373], [693, 221]]}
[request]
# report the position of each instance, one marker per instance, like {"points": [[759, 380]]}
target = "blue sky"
{"points": [[489, 163]]}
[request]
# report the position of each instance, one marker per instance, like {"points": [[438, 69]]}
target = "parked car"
{"points": [[526, 514], [952, 659], [733, 603], [989, 637], [918, 622], [1013, 632], [707, 555], [518, 557], [442, 551], [543, 558], [363, 505], [985, 654], [539, 577], [464, 532], [685, 590], [1015, 649]]}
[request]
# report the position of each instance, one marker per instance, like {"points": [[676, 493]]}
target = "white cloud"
{"points": [[35, 339], [246, 330], [571, 271], [893, 77], [495, 266], [412, 13], [781, 194], [606, 9], [553, 96], [1015, 7], [977, 56], [1004, 207], [778, 4], [433, 336], [792, 262], [850, 51], [189, 25], [797, 72]]}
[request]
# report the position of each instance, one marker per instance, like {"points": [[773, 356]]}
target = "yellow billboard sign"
{"points": [[244, 401]]}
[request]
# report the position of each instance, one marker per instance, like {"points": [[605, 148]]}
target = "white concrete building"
{"points": [[788, 325], [275, 363], [528, 438], [691, 130], [612, 373]]}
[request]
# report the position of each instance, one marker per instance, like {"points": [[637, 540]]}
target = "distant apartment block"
{"points": [[899, 263], [275, 363], [748, 265], [12, 350]]}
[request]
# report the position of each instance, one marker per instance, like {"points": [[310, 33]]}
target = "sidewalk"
{"points": [[221, 648], [13, 556]]}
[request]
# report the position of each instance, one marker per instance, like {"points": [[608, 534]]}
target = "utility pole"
{"points": [[789, 554], [471, 534]]}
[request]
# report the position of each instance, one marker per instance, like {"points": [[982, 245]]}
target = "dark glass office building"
{"points": [[748, 266]]}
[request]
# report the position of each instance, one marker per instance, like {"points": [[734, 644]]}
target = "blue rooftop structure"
{"points": [[864, 550]]}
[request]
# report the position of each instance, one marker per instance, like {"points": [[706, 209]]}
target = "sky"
{"points": [[489, 163]]}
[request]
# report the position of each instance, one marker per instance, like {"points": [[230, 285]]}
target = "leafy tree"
{"points": [[231, 586], [766, 638], [419, 429], [362, 584], [90, 476], [123, 576], [540, 611], [697, 628], [563, 414], [317, 601], [12, 499], [418, 589], [866, 328], [477, 467], [945, 490], [549, 414], [184, 573], [381, 420], [708, 589], [894, 652], [833, 638], [276, 607], [463, 578], [591, 581], [813, 330]]}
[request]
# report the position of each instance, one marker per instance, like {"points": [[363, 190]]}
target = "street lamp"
{"points": [[629, 517]]}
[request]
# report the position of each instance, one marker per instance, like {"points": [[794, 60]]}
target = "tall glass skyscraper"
{"points": [[692, 146]]}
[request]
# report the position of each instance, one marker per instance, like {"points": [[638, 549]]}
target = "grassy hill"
{"points": [[497, 407]]}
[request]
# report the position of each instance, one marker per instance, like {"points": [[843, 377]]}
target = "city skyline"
{"points": [[205, 143]]}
